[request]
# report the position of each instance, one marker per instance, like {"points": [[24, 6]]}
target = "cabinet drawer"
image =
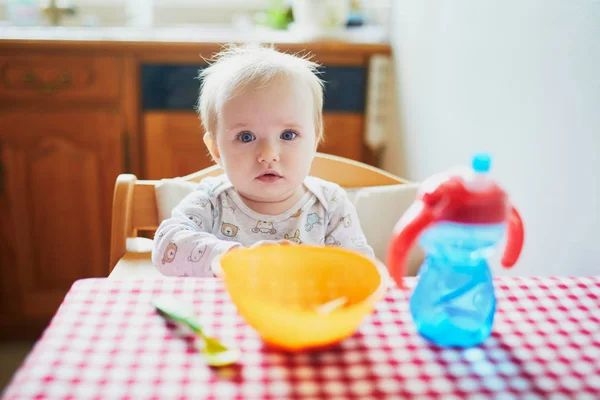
{"points": [[59, 77]]}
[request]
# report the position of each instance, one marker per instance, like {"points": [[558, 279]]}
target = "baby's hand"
{"points": [[281, 242]]}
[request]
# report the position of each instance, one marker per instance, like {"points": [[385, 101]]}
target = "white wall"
{"points": [[518, 78]]}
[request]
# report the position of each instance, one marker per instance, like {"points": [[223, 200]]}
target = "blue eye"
{"points": [[245, 137], [288, 135]]}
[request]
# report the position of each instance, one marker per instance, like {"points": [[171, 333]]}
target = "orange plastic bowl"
{"points": [[278, 290]]}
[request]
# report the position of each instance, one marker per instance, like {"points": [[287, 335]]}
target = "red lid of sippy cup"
{"points": [[458, 196], [466, 196]]}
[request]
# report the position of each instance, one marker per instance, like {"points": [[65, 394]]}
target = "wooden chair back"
{"points": [[134, 201]]}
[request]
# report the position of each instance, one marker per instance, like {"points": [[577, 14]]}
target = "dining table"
{"points": [[106, 341]]}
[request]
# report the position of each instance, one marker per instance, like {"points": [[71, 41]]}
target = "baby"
{"points": [[262, 113]]}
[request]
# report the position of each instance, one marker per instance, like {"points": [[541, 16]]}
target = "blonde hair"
{"points": [[237, 66]]}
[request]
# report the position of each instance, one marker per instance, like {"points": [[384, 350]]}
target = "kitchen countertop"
{"points": [[364, 37]]}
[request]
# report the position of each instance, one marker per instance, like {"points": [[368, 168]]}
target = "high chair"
{"points": [[135, 208]]}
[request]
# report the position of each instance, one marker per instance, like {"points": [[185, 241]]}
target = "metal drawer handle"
{"points": [[34, 82]]}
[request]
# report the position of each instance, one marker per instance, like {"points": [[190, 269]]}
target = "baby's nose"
{"points": [[268, 153]]}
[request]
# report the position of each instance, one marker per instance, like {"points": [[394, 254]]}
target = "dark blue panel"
{"points": [[170, 86], [176, 87], [345, 88]]}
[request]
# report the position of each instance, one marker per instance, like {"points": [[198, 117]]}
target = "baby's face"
{"points": [[266, 140]]}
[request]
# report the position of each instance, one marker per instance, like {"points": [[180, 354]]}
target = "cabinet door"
{"points": [[173, 145], [343, 135], [58, 175]]}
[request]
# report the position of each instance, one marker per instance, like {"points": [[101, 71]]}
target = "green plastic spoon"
{"points": [[215, 353]]}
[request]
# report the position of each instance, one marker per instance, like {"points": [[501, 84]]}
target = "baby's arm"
{"points": [[343, 229], [183, 244]]}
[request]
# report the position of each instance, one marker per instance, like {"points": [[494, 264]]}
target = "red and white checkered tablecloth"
{"points": [[107, 342]]}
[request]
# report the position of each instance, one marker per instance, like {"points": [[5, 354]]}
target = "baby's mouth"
{"points": [[269, 176]]}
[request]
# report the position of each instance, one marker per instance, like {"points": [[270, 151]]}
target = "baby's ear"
{"points": [[212, 147]]}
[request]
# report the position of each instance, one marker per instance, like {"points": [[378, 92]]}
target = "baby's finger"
{"points": [[264, 243]]}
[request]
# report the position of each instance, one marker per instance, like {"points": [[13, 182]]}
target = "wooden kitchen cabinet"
{"points": [[63, 142], [58, 173]]}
